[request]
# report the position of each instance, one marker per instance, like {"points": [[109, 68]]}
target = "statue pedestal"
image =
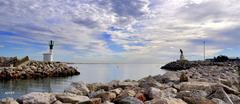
{"points": [[182, 57]]}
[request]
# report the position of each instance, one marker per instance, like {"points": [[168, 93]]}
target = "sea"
{"points": [[90, 73]]}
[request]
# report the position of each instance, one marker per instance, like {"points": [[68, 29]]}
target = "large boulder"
{"points": [[167, 77], [169, 92], [71, 98], [221, 94], [154, 93], [235, 99], [149, 82], [8, 101], [191, 93], [205, 86], [37, 98], [79, 88]]}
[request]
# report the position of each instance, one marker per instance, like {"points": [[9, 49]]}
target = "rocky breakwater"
{"points": [[37, 69], [210, 84]]}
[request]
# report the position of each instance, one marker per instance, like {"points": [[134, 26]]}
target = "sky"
{"points": [[119, 31]]}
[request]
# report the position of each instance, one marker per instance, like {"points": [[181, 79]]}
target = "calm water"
{"points": [[90, 73]]}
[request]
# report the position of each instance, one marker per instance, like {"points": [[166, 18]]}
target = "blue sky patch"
{"points": [[111, 44]]}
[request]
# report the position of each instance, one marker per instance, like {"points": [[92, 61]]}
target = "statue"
{"points": [[181, 55]]}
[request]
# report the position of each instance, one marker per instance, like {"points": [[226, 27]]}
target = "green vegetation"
{"points": [[221, 58]]}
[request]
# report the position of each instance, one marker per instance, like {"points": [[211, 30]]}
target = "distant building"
{"points": [[48, 57]]}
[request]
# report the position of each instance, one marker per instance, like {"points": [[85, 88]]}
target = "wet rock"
{"points": [[79, 88], [71, 98], [8, 101], [37, 98], [129, 100]]}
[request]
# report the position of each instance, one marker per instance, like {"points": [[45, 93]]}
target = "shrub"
{"points": [[221, 58]]}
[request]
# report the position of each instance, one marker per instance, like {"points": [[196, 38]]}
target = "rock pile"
{"points": [[211, 84], [37, 69]]}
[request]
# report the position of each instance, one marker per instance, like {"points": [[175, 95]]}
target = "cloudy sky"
{"points": [[126, 31]]}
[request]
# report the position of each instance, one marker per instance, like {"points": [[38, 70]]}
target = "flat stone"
{"points": [[37, 98], [71, 98], [206, 86], [92, 101]]}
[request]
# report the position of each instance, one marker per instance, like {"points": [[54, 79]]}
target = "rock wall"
{"points": [[37, 69]]}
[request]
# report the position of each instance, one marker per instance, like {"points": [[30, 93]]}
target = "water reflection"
{"points": [[89, 73]]}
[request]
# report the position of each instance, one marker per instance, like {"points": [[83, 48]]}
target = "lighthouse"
{"points": [[48, 57]]}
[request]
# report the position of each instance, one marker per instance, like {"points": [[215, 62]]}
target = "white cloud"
{"points": [[161, 27]]}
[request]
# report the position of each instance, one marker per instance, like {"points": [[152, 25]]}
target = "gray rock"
{"points": [[105, 96], [218, 101], [57, 102], [8, 101], [235, 99], [92, 101], [154, 93], [169, 92], [167, 77], [191, 93], [71, 98], [166, 101], [221, 94], [79, 88], [129, 100], [107, 102], [37, 98], [148, 82], [117, 91], [205, 86]]}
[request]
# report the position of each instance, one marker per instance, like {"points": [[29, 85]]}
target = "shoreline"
{"points": [[202, 84]]}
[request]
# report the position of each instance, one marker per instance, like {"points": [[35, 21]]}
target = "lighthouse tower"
{"points": [[48, 57]]}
